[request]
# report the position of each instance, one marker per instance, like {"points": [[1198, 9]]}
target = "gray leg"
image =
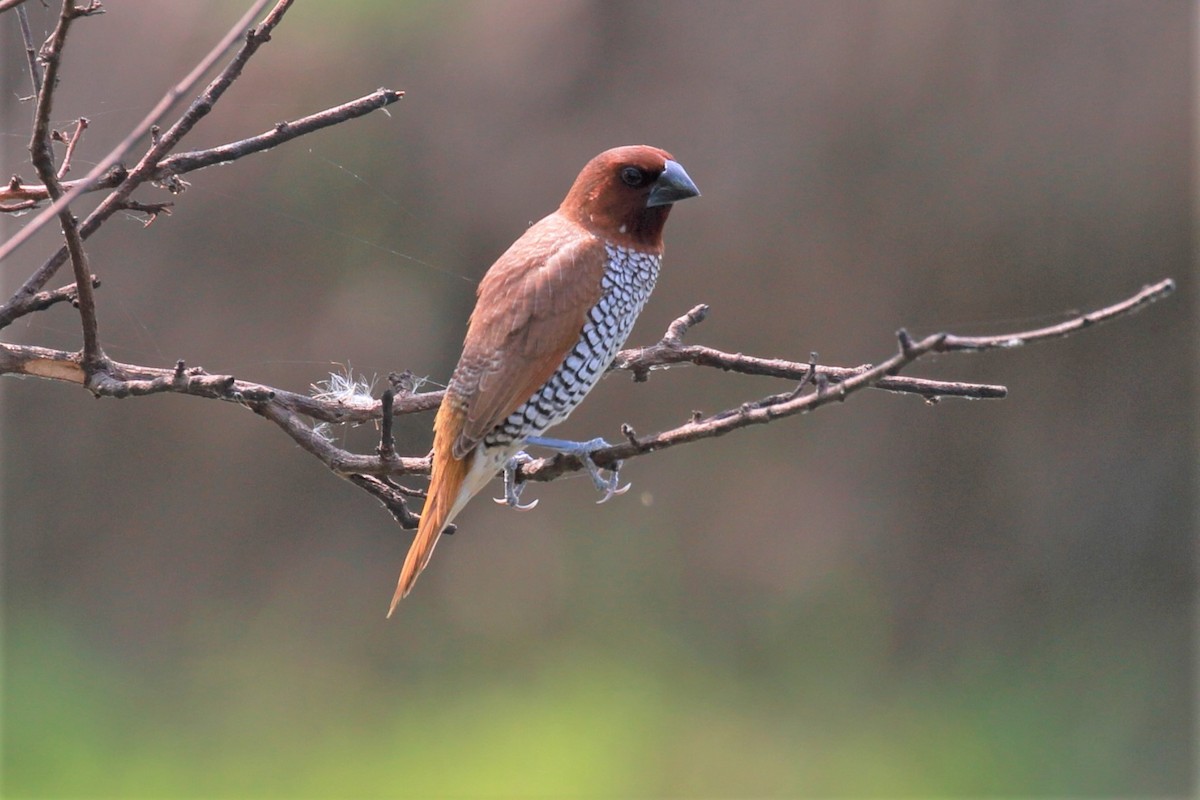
{"points": [[609, 486], [512, 487]]}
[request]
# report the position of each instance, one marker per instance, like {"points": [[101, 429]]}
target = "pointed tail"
{"points": [[441, 503]]}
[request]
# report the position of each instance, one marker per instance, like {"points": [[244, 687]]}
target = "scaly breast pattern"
{"points": [[628, 281]]}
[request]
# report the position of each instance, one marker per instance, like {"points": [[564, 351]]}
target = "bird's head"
{"points": [[626, 193]]}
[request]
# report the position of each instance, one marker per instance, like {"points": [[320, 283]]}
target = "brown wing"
{"points": [[529, 313]]}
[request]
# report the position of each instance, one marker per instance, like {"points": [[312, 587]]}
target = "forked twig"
{"points": [[139, 131]]}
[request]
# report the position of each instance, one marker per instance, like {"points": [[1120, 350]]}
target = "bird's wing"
{"points": [[529, 315]]}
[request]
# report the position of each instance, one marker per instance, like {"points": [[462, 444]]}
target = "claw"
{"points": [[609, 486], [513, 487], [611, 489]]}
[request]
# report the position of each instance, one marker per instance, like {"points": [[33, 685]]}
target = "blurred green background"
{"points": [[882, 599]]}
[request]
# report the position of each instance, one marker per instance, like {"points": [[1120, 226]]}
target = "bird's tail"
{"points": [[452, 484], [444, 488]]}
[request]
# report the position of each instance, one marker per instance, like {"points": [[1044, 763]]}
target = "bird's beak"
{"points": [[672, 186]]}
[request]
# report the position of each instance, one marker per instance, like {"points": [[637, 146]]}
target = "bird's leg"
{"points": [[608, 486], [513, 487]]}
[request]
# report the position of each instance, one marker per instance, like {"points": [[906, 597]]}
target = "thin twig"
{"points": [[777, 406], [1148, 294], [67, 294], [373, 472], [387, 442], [151, 210], [40, 149], [124, 380], [39, 279], [35, 71], [671, 350], [5, 5], [284, 131], [72, 142], [286, 409], [392, 497], [58, 364], [182, 163]]}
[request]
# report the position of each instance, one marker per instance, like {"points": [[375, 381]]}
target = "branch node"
{"points": [[676, 330], [404, 383], [629, 433], [151, 210], [259, 35], [93, 7]]}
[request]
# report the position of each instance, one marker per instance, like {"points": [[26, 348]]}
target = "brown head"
{"points": [[626, 193]]}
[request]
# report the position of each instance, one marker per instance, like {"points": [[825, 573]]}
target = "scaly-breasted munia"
{"points": [[550, 316]]}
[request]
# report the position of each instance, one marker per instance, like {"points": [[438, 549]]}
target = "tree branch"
{"points": [[127, 380], [35, 72], [671, 350], [131, 181], [182, 163], [774, 407], [40, 149], [818, 386]]}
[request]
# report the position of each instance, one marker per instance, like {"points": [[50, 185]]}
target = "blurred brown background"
{"points": [[881, 599]]}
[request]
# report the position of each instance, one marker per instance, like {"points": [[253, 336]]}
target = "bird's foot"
{"points": [[512, 486], [609, 486]]}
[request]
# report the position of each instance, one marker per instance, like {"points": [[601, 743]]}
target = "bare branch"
{"points": [[287, 409], [671, 350], [788, 404], [72, 141], [154, 165], [373, 473], [35, 72], [1137, 302], [124, 380], [283, 132], [43, 300], [41, 151], [39, 279], [182, 163], [151, 210], [387, 442], [394, 499], [24, 197]]}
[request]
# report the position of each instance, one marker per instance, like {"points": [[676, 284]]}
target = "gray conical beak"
{"points": [[672, 186]]}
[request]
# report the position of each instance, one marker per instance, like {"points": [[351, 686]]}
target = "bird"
{"points": [[550, 316]]}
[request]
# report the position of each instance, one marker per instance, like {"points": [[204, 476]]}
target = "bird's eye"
{"points": [[632, 176]]}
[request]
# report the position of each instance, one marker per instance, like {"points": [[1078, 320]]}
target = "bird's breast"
{"points": [[628, 280]]}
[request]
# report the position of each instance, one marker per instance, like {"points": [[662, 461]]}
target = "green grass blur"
{"points": [[569, 720]]}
